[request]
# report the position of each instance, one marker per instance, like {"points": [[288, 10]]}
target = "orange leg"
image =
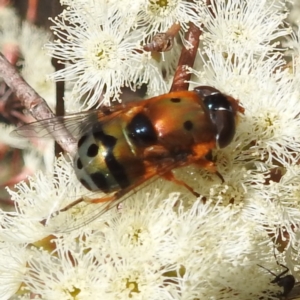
{"points": [[71, 205], [170, 176], [209, 166], [206, 164], [114, 199], [96, 200]]}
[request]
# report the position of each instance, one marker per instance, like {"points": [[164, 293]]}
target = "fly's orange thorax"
{"points": [[180, 122]]}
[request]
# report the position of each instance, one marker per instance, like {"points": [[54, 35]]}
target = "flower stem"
{"points": [[186, 60]]}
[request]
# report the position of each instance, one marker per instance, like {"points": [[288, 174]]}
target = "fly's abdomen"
{"points": [[105, 160]]}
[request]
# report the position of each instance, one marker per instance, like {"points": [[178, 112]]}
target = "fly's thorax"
{"points": [[180, 122], [105, 160]]}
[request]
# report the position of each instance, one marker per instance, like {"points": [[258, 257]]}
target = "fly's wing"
{"points": [[90, 211], [74, 124], [98, 206]]}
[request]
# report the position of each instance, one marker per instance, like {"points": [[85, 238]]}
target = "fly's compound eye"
{"points": [[222, 116], [141, 131]]}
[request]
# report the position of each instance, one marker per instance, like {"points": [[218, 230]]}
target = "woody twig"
{"points": [[33, 102], [186, 60]]}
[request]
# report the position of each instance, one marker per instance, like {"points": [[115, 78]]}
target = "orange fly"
{"points": [[121, 147]]}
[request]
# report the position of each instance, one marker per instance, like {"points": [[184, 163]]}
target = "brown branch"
{"points": [[31, 14], [33, 102], [4, 3], [186, 60], [60, 104]]}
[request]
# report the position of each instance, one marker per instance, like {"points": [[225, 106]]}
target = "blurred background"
{"points": [[24, 29]]}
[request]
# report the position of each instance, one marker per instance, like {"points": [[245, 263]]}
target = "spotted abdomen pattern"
{"points": [[105, 160]]}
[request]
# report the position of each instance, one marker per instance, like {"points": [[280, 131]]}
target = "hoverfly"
{"points": [[291, 289], [121, 147]]}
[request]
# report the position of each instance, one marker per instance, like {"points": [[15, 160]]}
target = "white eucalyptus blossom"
{"points": [[272, 129], [8, 139], [151, 248], [13, 259], [37, 64], [101, 55], [37, 200], [234, 26], [292, 43], [158, 16], [9, 26]]}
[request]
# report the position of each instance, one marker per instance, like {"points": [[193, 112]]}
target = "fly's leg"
{"points": [[210, 166], [96, 200], [170, 176]]}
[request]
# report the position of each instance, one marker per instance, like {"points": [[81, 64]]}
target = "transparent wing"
{"points": [[74, 124], [90, 212], [93, 211]]}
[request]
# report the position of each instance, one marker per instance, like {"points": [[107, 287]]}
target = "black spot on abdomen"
{"points": [[100, 181], [92, 150], [82, 140], [79, 164], [115, 168]]}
